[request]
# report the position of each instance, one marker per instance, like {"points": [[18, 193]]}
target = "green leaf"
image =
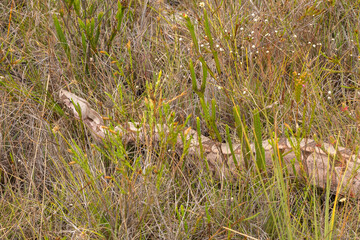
{"points": [[97, 35], [83, 41], [77, 7], [241, 131], [119, 15], [203, 83], [91, 9], [92, 27], [213, 120], [191, 28], [81, 24], [61, 37], [259, 150], [231, 146], [209, 35], [193, 77]]}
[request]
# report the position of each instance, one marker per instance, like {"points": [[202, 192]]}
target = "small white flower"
{"points": [[225, 31], [201, 45], [255, 19], [342, 200], [309, 42], [329, 92], [329, 97], [267, 51], [276, 31], [252, 32], [241, 28], [137, 86], [242, 47], [217, 45], [180, 39], [219, 87], [202, 4], [257, 51], [333, 39], [266, 20], [253, 46], [253, 14], [244, 92], [295, 36], [221, 49], [314, 45]]}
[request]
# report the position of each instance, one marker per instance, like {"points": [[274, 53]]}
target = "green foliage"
{"points": [[242, 133], [209, 111], [259, 70], [259, 150], [61, 37]]}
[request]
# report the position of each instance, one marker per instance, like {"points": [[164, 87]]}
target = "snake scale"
{"points": [[317, 163]]}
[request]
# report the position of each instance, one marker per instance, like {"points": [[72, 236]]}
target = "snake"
{"points": [[321, 164]]}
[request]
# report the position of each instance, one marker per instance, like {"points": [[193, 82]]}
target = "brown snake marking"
{"points": [[316, 163]]}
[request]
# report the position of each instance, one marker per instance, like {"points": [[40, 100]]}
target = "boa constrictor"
{"points": [[318, 164]]}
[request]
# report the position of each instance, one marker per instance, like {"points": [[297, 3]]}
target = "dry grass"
{"points": [[297, 62]]}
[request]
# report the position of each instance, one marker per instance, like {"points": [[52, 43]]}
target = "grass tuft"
{"points": [[282, 68]]}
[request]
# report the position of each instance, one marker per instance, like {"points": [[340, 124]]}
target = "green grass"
{"points": [[235, 70]]}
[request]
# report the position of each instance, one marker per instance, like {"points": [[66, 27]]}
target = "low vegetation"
{"points": [[231, 70]]}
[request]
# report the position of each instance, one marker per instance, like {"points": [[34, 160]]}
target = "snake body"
{"points": [[317, 163]]}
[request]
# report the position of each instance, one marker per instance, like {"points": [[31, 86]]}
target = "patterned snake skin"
{"points": [[316, 163]]}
